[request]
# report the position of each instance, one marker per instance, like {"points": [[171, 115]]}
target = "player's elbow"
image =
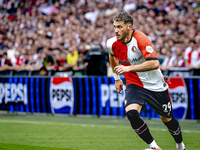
{"points": [[156, 64]]}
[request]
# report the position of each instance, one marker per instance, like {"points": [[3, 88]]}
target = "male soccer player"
{"points": [[131, 53]]}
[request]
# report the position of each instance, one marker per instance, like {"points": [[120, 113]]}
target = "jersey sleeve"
{"points": [[109, 46], [144, 44]]}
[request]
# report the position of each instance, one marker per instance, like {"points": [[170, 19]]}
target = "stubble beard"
{"points": [[124, 35]]}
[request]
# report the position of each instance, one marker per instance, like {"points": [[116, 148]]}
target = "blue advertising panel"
{"points": [[99, 91], [81, 95], [32, 94], [12, 94], [110, 100], [199, 95], [16, 108], [192, 108], [27, 101], [89, 96], [21, 83], [75, 97], [105, 100], [43, 95], [87, 88], [94, 97], [37, 95]]}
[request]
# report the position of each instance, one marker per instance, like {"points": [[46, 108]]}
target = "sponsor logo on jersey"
{"points": [[149, 49], [135, 59], [62, 95], [124, 62], [130, 60], [179, 97]]}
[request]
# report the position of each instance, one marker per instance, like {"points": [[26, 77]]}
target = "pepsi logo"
{"points": [[62, 95], [179, 97]]}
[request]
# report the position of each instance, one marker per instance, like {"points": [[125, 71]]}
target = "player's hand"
{"points": [[119, 86], [121, 69]]}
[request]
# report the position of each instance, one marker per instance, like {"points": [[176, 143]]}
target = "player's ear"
{"points": [[130, 26]]}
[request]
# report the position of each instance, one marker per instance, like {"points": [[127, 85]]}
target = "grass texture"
{"points": [[47, 132]]}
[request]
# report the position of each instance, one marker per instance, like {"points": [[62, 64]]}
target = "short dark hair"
{"points": [[125, 17]]}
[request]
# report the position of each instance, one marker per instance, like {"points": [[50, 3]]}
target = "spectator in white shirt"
{"points": [[169, 61]]}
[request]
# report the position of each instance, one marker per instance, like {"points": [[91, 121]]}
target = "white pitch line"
{"points": [[163, 129], [84, 125]]}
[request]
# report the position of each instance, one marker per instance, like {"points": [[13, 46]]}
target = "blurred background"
{"points": [[58, 37]]}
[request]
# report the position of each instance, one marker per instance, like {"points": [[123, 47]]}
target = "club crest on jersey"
{"points": [[134, 49]]}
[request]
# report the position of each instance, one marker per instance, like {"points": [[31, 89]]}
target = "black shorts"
{"points": [[159, 101]]}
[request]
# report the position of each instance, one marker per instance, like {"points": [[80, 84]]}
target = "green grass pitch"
{"points": [[47, 132]]}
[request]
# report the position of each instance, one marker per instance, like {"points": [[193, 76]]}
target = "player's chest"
{"points": [[129, 53]]}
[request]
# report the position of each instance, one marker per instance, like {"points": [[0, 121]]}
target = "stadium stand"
{"points": [[38, 33]]}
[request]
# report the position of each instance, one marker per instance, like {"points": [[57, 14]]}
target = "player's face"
{"points": [[121, 30]]}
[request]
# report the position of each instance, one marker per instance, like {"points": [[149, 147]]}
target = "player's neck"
{"points": [[128, 37]]}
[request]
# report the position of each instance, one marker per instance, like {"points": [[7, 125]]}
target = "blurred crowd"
{"points": [[63, 35]]}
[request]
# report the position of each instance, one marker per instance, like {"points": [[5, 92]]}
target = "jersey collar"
{"points": [[131, 37]]}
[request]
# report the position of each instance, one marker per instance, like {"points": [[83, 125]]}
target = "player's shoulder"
{"points": [[141, 38], [111, 44], [111, 40], [140, 35]]}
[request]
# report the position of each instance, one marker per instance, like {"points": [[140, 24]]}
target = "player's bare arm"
{"points": [[148, 65], [118, 83], [113, 61]]}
